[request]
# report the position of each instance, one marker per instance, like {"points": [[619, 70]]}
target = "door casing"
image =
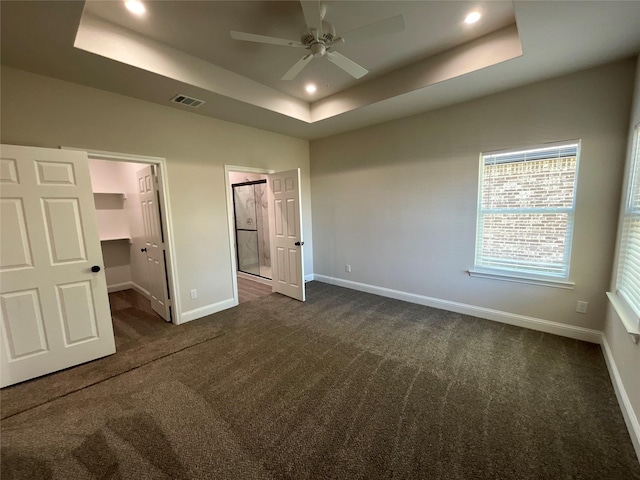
{"points": [[167, 223]]}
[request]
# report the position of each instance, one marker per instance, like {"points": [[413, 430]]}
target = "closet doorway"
{"points": [[135, 236]]}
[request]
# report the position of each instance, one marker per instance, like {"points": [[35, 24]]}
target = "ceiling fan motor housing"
{"points": [[328, 34]]}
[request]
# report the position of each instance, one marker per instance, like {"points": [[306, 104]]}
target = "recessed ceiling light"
{"points": [[134, 6], [473, 17], [310, 88]]}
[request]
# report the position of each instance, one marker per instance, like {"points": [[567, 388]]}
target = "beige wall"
{"points": [[398, 200], [44, 112], [625, 353]]}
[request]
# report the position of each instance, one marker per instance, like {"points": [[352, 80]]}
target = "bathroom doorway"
{"points": [[249, 241], [274, 230], [251, 218]]}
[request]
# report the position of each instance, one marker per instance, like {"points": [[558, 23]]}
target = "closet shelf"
{"points": [[120, 194], [116, 239]]}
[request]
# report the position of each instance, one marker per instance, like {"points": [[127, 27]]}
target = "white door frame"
{"points": [[167, 222], [230, 217]]}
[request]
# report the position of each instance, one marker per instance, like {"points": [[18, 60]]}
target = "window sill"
{"points": [[628, 320], [508, 277]]}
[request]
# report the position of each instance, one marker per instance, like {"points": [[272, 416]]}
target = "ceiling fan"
{"points": [[319, 37]]}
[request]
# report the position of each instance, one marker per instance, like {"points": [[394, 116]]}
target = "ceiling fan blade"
{"points": [[251, 37], [312, 11], [349, 66], [297, 68], [383, 27]]}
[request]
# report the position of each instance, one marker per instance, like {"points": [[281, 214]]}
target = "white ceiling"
{"points": [[184, 47], [202, 29]]}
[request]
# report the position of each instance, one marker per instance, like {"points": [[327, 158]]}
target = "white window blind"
{"points": [[628, 281], [525, 210]]}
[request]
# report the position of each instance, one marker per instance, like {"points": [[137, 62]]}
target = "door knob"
{"points": [[95, 269], [299, 244], [143, 249]]}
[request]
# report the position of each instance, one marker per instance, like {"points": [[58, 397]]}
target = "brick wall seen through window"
{"points": [[525, 215]]}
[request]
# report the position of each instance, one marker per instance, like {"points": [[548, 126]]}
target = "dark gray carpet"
{"points": [[141, 337], [347, 385]]}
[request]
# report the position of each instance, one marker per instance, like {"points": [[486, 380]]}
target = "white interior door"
{"points": [[154, 242], [285, 232], [54, 305]]}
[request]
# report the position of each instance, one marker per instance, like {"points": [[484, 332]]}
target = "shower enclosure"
{"points": [[252, 228]]}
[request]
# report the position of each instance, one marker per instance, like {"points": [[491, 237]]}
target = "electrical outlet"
{"points": [[347, 268], [194, 294], [582, 307]]}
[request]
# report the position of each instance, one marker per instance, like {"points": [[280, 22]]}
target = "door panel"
{"points": [[8, 171], [292, 227], [14, 254], [54, 309], [294, 280], [55, 173], [76, 307], [154, 242], [286, 234], [278, 218], [65, 238], [22, 319], [280, 273]]}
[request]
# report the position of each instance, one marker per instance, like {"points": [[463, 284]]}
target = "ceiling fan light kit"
{"points": [[136, 7], [319, 37]]}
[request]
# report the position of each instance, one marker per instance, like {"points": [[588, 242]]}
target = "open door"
{"points": [[285, 232], [54, 307], [154, 242]]}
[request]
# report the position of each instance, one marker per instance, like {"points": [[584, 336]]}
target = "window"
{"points": [[525, 212], [628, 279]]}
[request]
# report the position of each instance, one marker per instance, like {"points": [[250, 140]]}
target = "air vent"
{"points": [[188, 101]]}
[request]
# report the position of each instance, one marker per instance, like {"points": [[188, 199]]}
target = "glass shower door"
{"points": [[252, 228]]}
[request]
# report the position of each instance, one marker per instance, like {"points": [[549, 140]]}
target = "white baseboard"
{"points": [[140, 290], [206, 310], [118, 287], [547, 326], [630, 417], [254, 278], [266, 281]]}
